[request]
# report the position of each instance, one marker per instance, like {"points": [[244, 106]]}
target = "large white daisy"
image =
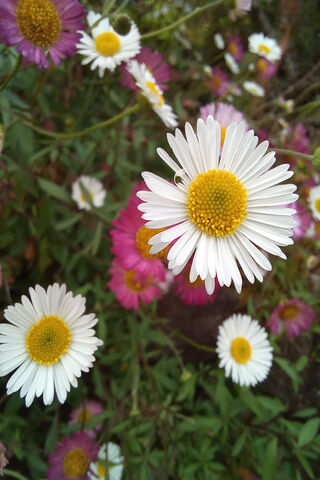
{"points": [[264, 47], [149, 89], [244, 350], [109, 459], [314, 201], [49, 342], [94, 188], [106, 48], [224, 204]]}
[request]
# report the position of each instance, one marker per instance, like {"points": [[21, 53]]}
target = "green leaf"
{"points": [[239, 444], [97, 238], [51, 438], [305, 412], [269, 461], [308, 431], [285, 365], [68, 222], [304, 462], [54, 190]]}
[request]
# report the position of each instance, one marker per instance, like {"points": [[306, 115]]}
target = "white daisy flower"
{"points": [[218, 40], [241, 7], [94, 188], [106, 48], [232, 64], [314, 201], [49, 341], [109, 460], [264, 46], [149, 89], [244, 350], [224, 204], [254, 88]]}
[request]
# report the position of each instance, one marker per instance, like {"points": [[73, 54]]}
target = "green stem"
{"points": [[291, 153], [183, 19], [63, 136], [194, 344], [13, 474], [12, 73]]}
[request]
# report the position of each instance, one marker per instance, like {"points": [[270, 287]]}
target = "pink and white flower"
{"points": [[292, 315], [86, 410]]}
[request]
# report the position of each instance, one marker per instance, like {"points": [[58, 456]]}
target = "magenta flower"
{"points": [[155, 63], [130, 286], [235, 47], [265, 68], [219, 81], [72, 458], [41, 27], [84, 413], [293, 315], [3, 460], [303, 219], [131, 237], [192, 293], [298, 140]]}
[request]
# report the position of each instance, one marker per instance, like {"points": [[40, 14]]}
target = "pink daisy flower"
{"points": [[235, 47], [192, 293], [130, 286], [72, 458], [219, 81], [303, 219], [293, 315], [41, 27], [311, 182], [155, 63], [131, 237], [84, 413], [265, 68], [224, 113]]}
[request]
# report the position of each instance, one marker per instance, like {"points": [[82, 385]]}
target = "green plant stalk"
{"points": [[290, 153], [191, 342], [12, 73], [183, 19], [14, 474], [64, 136]]}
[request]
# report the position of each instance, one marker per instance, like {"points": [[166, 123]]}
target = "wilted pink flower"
{"points": [[293, 315], [41, 27], [265, 68], [219, 81], [303, 219], [84, 413], [3, 460], [235, 47], [192, 293], [72, 458]]}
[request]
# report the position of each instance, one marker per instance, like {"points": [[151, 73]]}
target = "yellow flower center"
{"points": [[317, 204], [75, 463], [48, 339], [38, 22], [101, 470], [289, 312], [261, 65], [216, 81], [107, 43], [217, 202], [241, 350], [223, 134], [84, 415], [264, 49], [317, 228], [153, 87], [132, 284], [232, 48], [143, 236]]}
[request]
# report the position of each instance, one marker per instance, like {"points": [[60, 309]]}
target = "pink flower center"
{"points": [[75, 463], [261, 65], [232, 49], [84, 415], [143, 236], [289, 312], [216, 81], [132, 284]]}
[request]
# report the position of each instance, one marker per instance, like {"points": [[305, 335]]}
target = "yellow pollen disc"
{"points": [[232, 48], [153, 87], [289, 312], [317, 204], [264, 49], [217, 202], [261, 65], [83, 198], [143, 236], [48, 339], [241, 350], [216, 81], [107, 43], [38, 22], [317, 228], [75, 463], [84, 415], [101, 471], [132, 284], [197, 283], [223, 134]]}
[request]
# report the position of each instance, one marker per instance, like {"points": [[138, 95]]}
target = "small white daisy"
{"points": [[106, 48], [109, 460], [264, 46], [241, 7], [244, 350], [254, 88], [314, 201], [94, 188], [218, 40], [232, 64], [49, 342], [225, 202], [149, 89]]}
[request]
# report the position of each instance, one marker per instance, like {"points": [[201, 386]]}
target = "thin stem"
{"points": [[183, 19], [291, 153], [12, 73], [63, 136], [43, 81], [14, 474], [191, 342]]}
